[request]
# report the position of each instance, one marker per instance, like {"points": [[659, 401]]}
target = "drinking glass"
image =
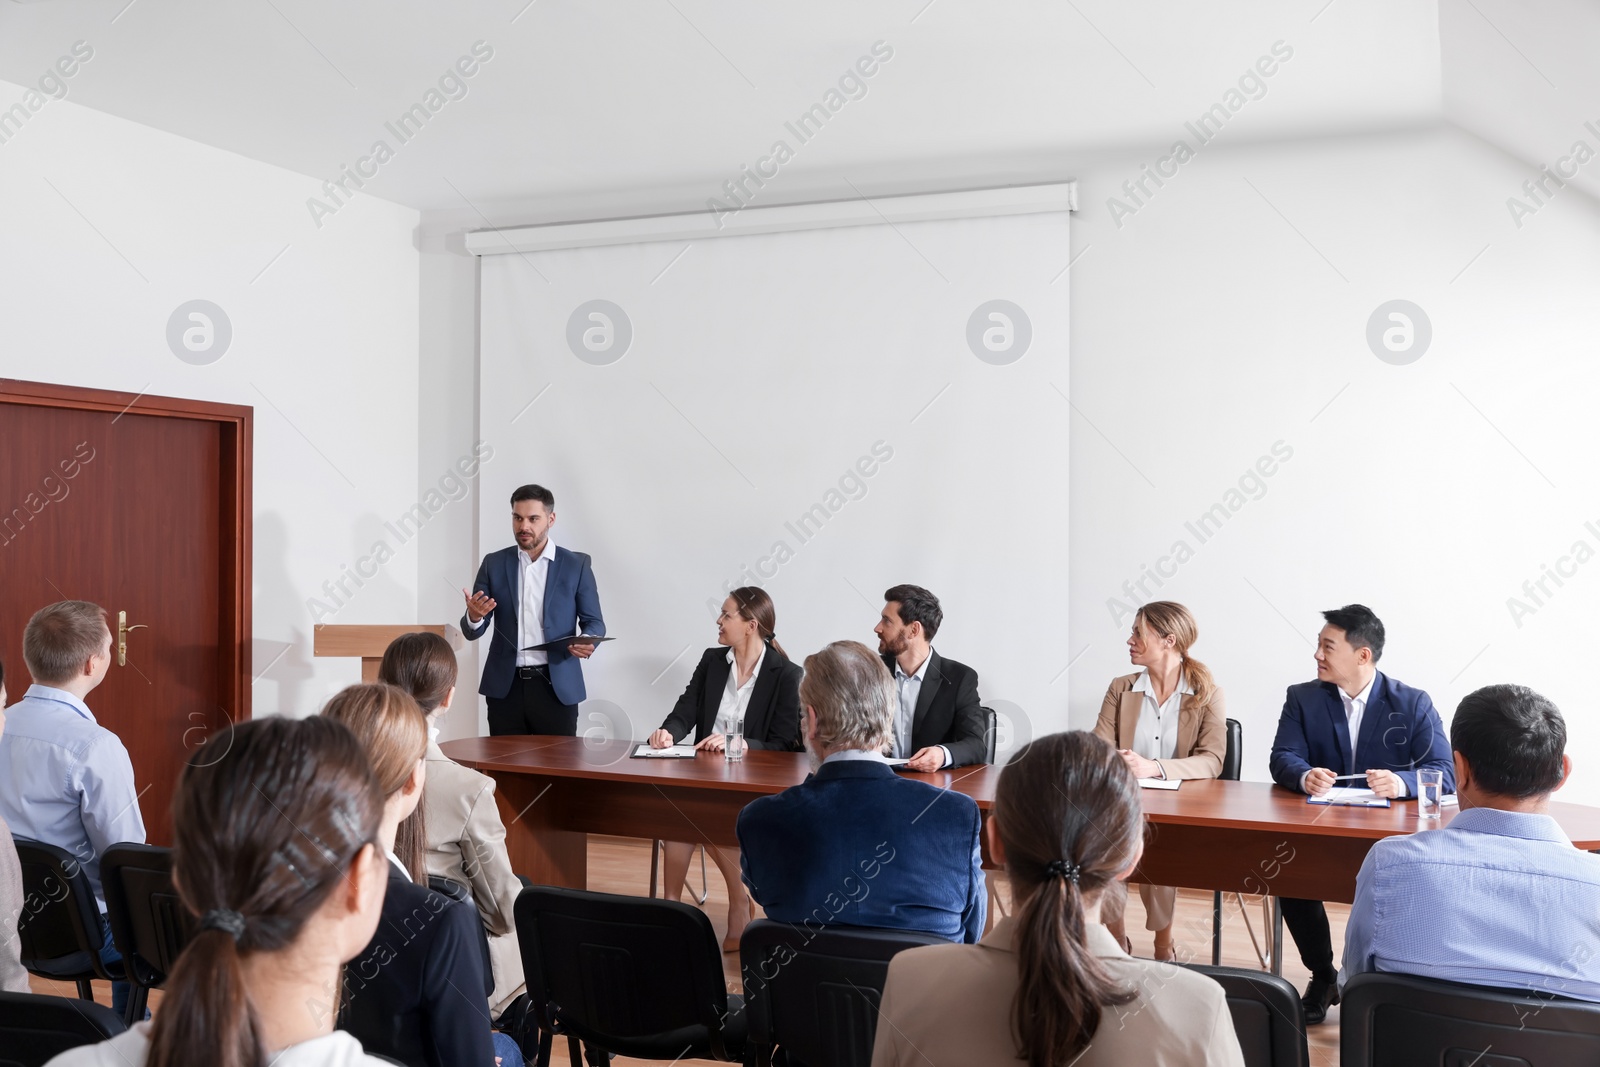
{"points": [[1430, 791], [735, 747]]}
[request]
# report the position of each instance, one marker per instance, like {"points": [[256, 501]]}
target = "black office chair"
{"points": [[627, 975], [1232, 761], [59, 928], [35, 1029], [149, 924], [812, 995], [1390, 1020], [991, 732], [1266, 1016]]}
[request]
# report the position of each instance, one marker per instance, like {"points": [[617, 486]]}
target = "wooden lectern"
{"points": [[369, 642]]}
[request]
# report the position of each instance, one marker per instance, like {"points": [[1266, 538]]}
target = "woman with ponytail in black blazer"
{"points": [[745, 685]]}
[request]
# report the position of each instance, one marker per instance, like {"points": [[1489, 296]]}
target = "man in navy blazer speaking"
{"points": [[1352, 721], [537, 593], [855, 844]]}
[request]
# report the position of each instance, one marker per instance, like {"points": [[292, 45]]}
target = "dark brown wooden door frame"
{"points": [[234, 525]]}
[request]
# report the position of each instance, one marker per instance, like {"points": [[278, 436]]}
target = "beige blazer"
{"points": [[13, 979], [1202, 729], [950, 1006], [467, 844]]}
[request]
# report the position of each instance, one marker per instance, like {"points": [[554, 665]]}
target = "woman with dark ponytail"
{"points": [[275, 825], [1049, 986], [744, 685]]}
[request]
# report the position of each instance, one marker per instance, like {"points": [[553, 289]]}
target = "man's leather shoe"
{"points": [[1321, 993]]}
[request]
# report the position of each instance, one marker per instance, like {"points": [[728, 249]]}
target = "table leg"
{"points": [[546, 855], [1277, 937]]}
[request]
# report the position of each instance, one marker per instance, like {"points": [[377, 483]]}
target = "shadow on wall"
{"points": [[286, 664]]}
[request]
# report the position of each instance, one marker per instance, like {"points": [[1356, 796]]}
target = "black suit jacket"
{"points": [[417, 993], [772, 718], [948, 711]]}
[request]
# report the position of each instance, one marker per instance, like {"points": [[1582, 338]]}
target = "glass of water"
{"points": [[735, 747], [1430, 790]]}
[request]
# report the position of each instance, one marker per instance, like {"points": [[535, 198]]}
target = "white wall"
{"points": [[1207, 328], [324, 345]]}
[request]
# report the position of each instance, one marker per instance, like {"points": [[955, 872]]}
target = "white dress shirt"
{"points": [[736, 697], [531, 576], [909, 688], [68, 781], [1155, 736]]}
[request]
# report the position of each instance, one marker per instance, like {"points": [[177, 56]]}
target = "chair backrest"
{"points": [[1391, 1019], [991, 731], [1266, 1016], [59, 928], [1233, 755], [149, 924], [452, 889], [35, 1029], [815, 991], [619, 971]]}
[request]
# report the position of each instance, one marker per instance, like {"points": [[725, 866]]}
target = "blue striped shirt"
{"points": [[1496, 898], [66, 780]]}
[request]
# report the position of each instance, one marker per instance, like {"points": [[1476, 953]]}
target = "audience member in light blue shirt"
{"points": [[1500, 897], [66, 780]]}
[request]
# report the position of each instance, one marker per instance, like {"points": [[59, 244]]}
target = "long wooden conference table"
{"points": [[1244, 837]]}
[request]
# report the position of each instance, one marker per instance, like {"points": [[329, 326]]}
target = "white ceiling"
{"points": [[667, 99]]}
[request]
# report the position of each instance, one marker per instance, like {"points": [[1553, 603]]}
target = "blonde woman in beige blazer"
{"points": [[466, 838], [1048, 986], [1167, 721]]}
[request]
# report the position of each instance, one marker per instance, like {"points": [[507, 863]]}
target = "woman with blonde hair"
{"points": [[1167, 721], [417, 992], [465, 836]]}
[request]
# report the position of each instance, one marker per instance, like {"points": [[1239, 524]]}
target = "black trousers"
{"points": [[532, 707], [1307, 921]]}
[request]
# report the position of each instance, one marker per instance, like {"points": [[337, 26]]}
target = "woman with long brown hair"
{"points": [[1167, 721], [1049, 986], [417, 993], [746, 686], [465, 837], [275, 848]]}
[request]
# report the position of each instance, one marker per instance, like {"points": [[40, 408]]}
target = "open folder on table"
{"points": [[1160, 783], [643, 751], [1350, 796], [567, 642]]}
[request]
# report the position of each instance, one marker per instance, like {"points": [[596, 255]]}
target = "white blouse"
{"points": [[1155, 736], [132, 1049], [736, 697]]}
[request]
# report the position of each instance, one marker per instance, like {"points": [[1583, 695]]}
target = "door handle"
{"points": [[122, 636]]}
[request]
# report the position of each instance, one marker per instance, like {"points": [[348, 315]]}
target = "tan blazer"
{"points": [[467, 844], [950, 1006], [13, 979], [1202, 729]]}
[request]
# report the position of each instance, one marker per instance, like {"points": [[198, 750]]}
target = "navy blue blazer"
{"points": [[416, 993], [571, 601], [1400, 732], [857, 845]]}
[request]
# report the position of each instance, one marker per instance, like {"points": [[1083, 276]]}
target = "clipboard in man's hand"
{"points": [[564, 643]]}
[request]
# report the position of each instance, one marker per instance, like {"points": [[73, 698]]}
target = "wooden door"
{"points": [[141, 505]]}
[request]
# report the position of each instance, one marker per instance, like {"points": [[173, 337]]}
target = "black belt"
{"points": [[530, 671]]}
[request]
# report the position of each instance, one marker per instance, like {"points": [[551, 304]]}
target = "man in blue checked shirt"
{"points": [[65, 779], [1435, 903]]}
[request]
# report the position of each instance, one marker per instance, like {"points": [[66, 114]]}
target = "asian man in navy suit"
{"points": [[856, 844], [536, 592], [1353, 720]]}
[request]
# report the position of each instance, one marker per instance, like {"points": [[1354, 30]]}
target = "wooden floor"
{"points": [[618, 865]]}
